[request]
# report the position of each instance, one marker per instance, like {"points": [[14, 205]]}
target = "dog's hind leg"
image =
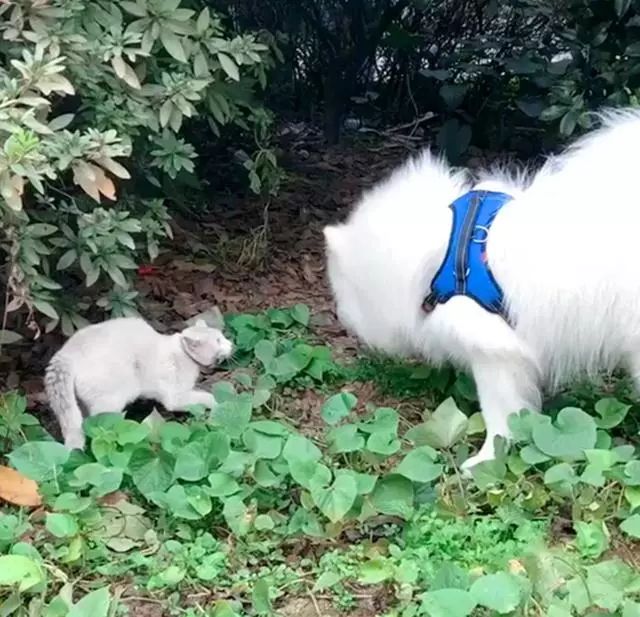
{"points": [[505, 385]]}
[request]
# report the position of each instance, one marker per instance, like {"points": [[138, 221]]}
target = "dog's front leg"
{"points": [[505, 385]]}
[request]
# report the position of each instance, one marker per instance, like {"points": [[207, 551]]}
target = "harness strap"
{"points": [[464, 270]]}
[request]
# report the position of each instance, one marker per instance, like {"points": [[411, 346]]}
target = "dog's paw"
{"points": [[472, 461]]}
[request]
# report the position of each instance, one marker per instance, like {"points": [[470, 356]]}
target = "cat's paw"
{"points": [[74, 441]]}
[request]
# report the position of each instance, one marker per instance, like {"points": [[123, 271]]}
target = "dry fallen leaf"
{"points": [[18, 489]]}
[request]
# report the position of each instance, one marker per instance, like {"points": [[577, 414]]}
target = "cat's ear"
{"points": [[334, 237], [194, 347]]}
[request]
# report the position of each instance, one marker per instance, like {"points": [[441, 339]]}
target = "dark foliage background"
{"points": [[517, 75], [194, 98]]}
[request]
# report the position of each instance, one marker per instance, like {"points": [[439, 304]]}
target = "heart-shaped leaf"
{"points": [[573, 432]]}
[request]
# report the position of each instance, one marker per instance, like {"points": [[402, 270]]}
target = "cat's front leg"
{"points": [[182, 400]]}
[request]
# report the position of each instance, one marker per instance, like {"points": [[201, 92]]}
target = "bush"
{"points": [[517, 76], [93, 92]]}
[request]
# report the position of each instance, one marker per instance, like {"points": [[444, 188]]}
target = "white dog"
{"points": [[564, 253]]}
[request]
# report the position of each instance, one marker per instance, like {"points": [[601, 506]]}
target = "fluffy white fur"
{"points": [[106, 366], [564, 251]]}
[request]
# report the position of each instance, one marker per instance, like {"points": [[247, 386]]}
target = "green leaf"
{"points": [[222, 484], [445, 427], [447, 603], [269, 427], [393, 495], [301, 314], [264, 475], [300, 449], [62, 525], [607, 582], [611, 411], [265, 351], [20, 570], [552, 113], [233, 416], [383, 443], [335, 501], [133, 8], [67, 259], [532, 456], [189, 503], [279, 317], [224, 391], [568, 122], [116, 275], [236, 514], [151, 472], [419, 465], [345, 439], [592, 538], [499, 592], [264, 522], [453, 94], [385, 420], [105, 480], [573, 433], [39, 460], [454, 137], [310, 473], [172, 44], [327, 580], [632, 495], [632, 473], [192, 462], [261, 445], [621, 7], [197, 459], [338, 407], [366, 482], [229, 66], [8, 337], [40, 230], [131, 432], [94, 604], [203, 21], [46, 309], [375, 571], [633, 50], [260, 598], [631, 526]]}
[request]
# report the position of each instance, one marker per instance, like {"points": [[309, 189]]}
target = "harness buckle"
{"points": [[483, 239]]}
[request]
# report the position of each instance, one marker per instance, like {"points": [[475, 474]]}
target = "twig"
{"points": [[413, 124], [416, 122], [314, 602], [141, 599], [5, 311]]}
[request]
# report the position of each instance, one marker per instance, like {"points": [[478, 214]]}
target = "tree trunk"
{"points": [[334, 102]]}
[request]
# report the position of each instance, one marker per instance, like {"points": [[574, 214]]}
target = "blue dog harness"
{"points": [[465, 271]]}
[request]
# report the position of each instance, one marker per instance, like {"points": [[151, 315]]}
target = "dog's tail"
{"points": [[60, 389]]}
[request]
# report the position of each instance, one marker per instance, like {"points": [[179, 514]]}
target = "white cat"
{"points": [[106, 366], [564, 251]]}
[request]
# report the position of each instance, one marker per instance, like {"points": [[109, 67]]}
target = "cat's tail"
{"points": [[60, 388]]}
